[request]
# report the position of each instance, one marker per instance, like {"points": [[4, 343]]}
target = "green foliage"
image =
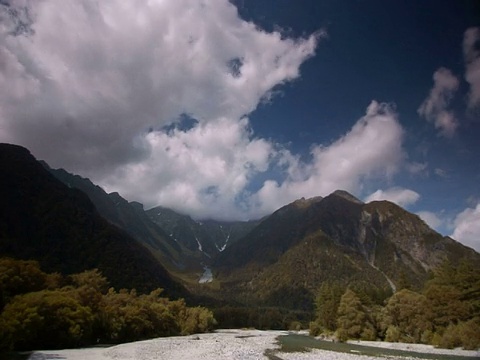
{"points": [[85, 311], [353, 321], [407, 316], [47, 319], [295, 326], [19, 277], [446, 313], [235, 317], [128, 317], [326, 305], [315, 328], [196, 320], [465, 334]]}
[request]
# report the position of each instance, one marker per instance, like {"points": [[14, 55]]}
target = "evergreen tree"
{"points": [[353, 322], [326, 304]]}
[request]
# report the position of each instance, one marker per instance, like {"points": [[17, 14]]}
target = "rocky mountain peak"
{"points": [[347, 196]]}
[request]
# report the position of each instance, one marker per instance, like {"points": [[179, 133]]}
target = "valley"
{"points": [[310, 264]]}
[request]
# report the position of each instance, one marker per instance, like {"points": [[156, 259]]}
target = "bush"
{"points": [[46, 319], [37, 314], [315, 329], [465, 334]]}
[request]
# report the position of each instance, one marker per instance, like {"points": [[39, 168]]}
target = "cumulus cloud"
{"points": [[203, 171], [434, 107], [207, 170], [467, 227], [371, 149], [431, 219], [471, 52], [107, 96], [400, 196], [91, 78]]}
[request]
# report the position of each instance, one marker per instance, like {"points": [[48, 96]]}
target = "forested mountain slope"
{"points": [[131, 217], [376, 246], [43, 219], [208, 237]]}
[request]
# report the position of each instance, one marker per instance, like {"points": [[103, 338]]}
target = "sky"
{"points": [[231, 109]]}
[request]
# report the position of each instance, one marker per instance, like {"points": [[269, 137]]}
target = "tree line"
{"points": [[41, 310], [445, 313]]}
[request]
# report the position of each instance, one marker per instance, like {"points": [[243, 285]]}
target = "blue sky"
{"points": [[388, 53], [229, 110]]}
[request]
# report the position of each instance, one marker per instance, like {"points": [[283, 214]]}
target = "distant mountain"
{"points": [[131, 217], [280, 261], [208, 237], [43, 219], [184, 246], [379, 246]]}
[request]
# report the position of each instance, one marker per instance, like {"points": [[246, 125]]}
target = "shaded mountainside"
{"points": [[129, 216], [180, 243], [338, 238], [207, 237], [280, 261], [43, 219]]}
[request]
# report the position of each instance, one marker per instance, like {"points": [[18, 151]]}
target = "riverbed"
{"points": [[235, 344]]}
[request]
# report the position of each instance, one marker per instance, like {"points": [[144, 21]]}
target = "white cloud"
{"points": [[471, 52], [400, 196], [416, 168], [203, 171], [371, 149], [96, 97], [431, 219], [441, 172], [467, 227], [92, 77], [434, 107]]}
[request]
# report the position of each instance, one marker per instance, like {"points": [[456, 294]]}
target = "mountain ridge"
{"points": [[43, 219], [379, 244]]}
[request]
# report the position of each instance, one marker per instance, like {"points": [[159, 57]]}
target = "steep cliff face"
{"points": [[410, 235]]}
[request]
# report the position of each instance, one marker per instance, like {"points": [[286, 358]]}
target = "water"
{"points": [[299, 343], [207, 276]]}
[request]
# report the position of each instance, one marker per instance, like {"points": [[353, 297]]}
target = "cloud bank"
{"points": [[117, 70], [151, 99]]}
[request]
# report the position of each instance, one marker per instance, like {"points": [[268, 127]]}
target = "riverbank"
{"points": [[222, 344]]}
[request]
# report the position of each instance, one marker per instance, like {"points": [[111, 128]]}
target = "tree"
{"points": [[19, 277], [326, 305], [353, 322], [48, 319], [407, 317], [90, 286]]}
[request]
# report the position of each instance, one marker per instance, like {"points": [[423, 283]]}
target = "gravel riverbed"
{"points": [[222, 344]]}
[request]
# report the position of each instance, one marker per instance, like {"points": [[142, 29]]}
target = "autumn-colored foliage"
{"points": [[84, 310], [445, 313]]}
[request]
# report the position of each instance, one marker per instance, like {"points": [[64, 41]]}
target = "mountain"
{"points": [[43, 219], [377, 246], [209, 237], [131, 217], [280, 261], [184, 246]]}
